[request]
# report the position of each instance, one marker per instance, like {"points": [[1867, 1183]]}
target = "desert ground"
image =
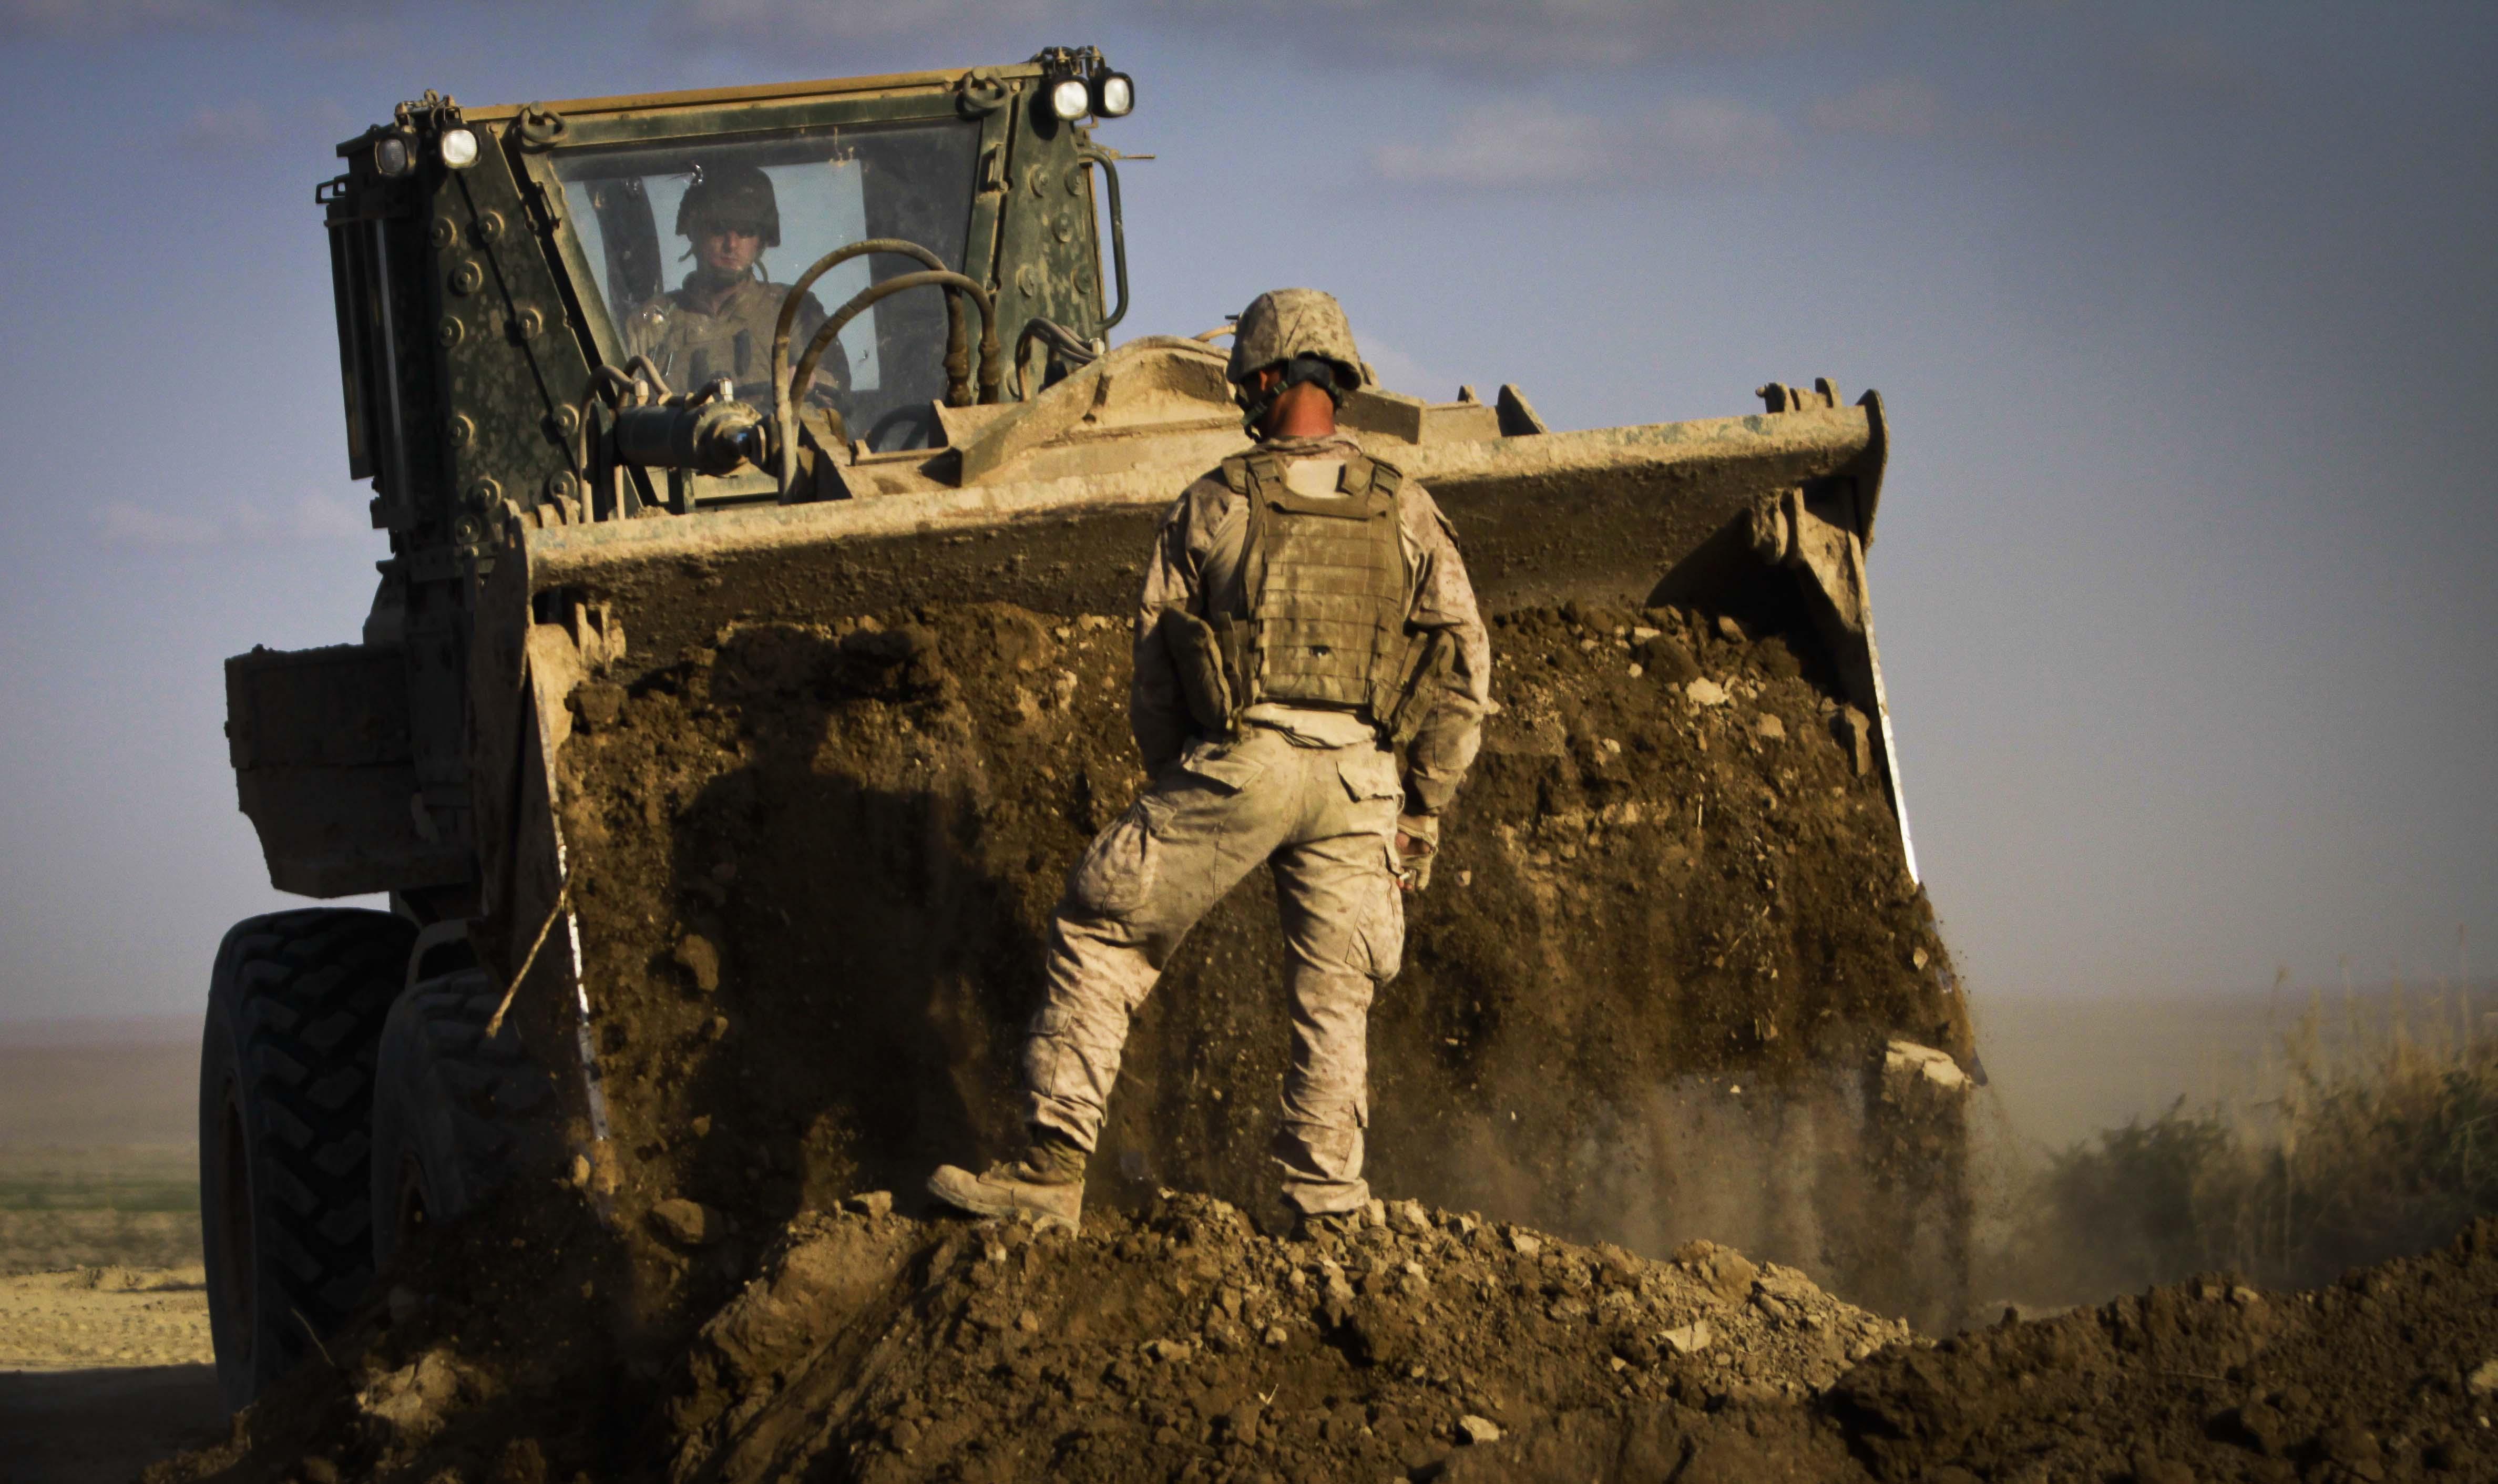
{"points": [[105, 1362]]}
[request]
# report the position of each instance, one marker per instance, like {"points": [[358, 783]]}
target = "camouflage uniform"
{"points": [[1314, 792], [692, 345]]}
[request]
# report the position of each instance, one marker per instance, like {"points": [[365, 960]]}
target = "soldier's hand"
{"points": [[1418, 844]]}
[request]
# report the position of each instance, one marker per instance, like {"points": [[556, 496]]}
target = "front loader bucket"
{"points": [[839, 755], [1048, 504]]}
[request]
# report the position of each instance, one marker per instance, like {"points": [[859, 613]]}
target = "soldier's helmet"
{"points": [[737, 197], [1285, 324]]}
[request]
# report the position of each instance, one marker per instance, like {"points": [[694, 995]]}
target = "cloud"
{"points": [[1398, 371], [123, 524], [1507, 144], [1526, 144], [243, 128], [1894, 107], [309, 518], [97, 20], [1470, 34], [778, 23]]}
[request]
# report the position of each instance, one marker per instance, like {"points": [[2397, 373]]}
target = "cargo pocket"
{"points": [[1369, 773], [1382, 929], [1228, 766], [1118, 870]]}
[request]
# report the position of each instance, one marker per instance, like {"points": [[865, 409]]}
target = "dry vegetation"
{"points": [[2371, 1132], [131, 1206]]}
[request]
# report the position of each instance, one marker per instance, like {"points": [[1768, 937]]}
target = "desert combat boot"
{"points": [[1047, 1184]]}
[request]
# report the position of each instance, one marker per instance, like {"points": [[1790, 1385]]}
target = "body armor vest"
{"points": [[1325, 581]]}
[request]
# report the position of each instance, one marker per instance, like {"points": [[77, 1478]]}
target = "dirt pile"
{"points": [[2392, 1374], [1652, 996], [1181, 1344], [1184, 1344], [1645, 1001]]}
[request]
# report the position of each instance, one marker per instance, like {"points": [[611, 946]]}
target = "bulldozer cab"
{"points": [[635, 211], [497, 270]]}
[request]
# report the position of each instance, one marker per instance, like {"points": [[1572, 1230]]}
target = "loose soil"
{"points": [[1180, 1343], [1645, 1001]]}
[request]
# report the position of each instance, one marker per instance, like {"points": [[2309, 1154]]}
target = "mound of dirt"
{"points": [[1646, 1000], [2392, 1374], [1182, 1345], [1657, 992]]}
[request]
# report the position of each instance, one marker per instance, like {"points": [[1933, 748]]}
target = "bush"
{"points": [[2372, 1145]]}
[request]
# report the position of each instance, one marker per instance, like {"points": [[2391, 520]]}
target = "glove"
{"points": [[1418, 844]]}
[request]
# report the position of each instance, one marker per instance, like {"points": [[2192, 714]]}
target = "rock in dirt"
{"points": [[700, 959], [687, 1223], [413, 1400], [598, 703]]}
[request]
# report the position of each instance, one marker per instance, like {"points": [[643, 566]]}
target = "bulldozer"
{"points": [[565, 511]]}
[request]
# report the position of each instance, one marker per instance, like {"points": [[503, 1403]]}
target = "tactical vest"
{"points": [[1325, 581]]}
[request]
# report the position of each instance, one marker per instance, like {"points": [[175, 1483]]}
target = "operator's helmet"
{"points": [[738, 197]]}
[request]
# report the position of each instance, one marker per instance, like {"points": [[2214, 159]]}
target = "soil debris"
{"points": [[817, 865], [1181, 1343], [813, 866]]}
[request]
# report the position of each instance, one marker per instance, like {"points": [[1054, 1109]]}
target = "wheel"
{"points": [[454, 1113], [296, 1006]]}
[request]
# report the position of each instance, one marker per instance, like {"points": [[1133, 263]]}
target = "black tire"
{"points": [[456, 1113], [296, 1006]]}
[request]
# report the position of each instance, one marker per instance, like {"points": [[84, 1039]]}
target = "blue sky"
{"points": [[2183, 312]]}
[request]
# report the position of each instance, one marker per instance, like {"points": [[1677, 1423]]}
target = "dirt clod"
{"points": [[687, 1223]]}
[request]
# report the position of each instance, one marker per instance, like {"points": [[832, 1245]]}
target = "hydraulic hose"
{"points": [[859, 303], [1067, 342], [783, 408]]}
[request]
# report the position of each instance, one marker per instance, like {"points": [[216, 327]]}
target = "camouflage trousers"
{"points": [[1325, 819]]}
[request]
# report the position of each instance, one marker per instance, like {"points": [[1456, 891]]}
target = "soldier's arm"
{"points": [[1444, 600], [1157, 707]]}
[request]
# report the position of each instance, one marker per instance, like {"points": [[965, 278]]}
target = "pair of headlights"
{"points": [[1104, 94], [396, 153]]}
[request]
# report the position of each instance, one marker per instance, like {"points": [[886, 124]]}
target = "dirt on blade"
{"points": [[816, 868], [1647, 1001]]}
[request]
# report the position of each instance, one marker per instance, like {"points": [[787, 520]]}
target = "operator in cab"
{"points": [[1311, 678], [719, 322]]}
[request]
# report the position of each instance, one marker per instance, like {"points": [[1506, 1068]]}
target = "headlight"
{"points": [[391, 155], [459, 149], [1113, 95], [1070, 97]]}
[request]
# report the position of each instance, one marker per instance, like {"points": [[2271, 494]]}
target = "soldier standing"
{"points": [[719, 322], [1304, 614]]}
